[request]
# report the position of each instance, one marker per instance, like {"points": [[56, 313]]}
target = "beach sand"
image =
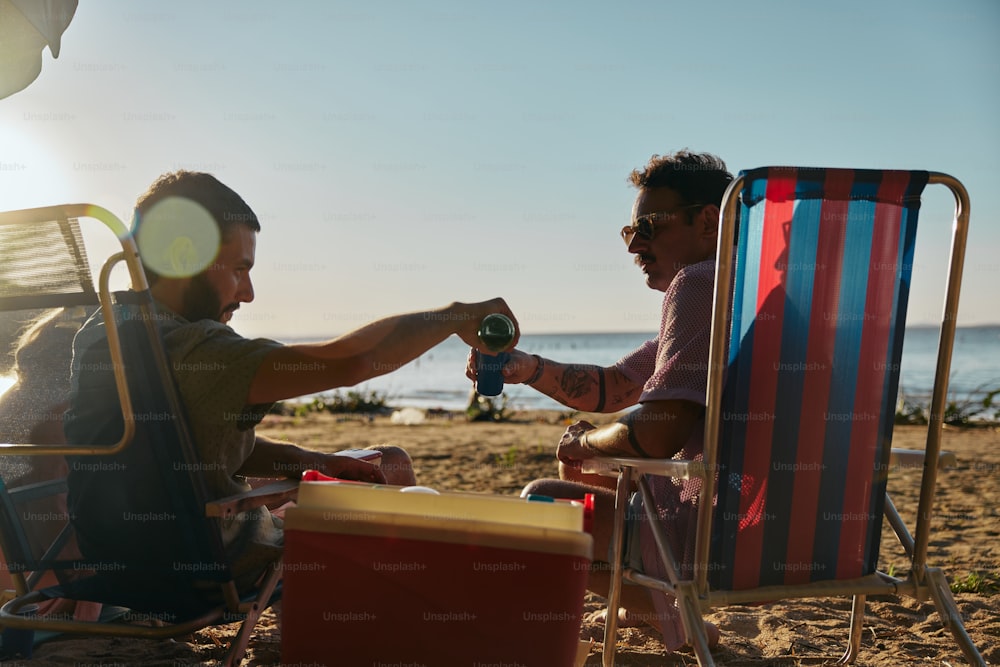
{"points": [[451, 454]]}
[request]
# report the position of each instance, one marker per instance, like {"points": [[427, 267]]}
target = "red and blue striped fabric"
{"points": [[820, 289]]}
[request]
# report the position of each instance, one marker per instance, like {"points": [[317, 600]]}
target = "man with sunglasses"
{"points": [[673, 235]]}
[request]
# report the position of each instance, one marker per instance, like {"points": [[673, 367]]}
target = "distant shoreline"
{"points": [[639, 332]]}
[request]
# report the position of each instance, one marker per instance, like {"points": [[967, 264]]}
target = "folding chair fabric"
{"points": [[819, 308], [803, 375], [59, 276]]}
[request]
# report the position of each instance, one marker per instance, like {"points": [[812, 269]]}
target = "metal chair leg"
{"points": [[948, 610], [857, 627], [238, 647], [694, 624], [617, 553]]}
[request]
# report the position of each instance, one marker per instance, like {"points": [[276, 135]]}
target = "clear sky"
{"points": [[404, 155]]}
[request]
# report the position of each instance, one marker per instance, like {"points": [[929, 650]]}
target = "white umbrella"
{"points": [[26, 28]]}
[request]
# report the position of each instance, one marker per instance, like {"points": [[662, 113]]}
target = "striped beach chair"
{"points": [[803, 377]]}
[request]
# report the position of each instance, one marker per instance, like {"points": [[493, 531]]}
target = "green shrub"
{"points": [[961, 412], [974, 407], [355, 401], [977, 582], [484, 408], [508, 458], [910, 412], [351, 402]]}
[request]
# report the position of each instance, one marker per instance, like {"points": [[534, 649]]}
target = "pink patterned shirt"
{"points": [[674, 366]]}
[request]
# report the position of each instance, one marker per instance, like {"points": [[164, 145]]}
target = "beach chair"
{"points": [[802, 382], [165, 569]]}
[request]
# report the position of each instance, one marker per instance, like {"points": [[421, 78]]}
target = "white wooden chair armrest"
{"points": [[276, 492], [609, 466]]}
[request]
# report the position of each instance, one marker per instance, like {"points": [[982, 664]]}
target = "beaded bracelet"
{"points": [[539, 369]]}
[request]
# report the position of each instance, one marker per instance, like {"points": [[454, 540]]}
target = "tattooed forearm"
{"points": [[578, 381], [587, 387]]}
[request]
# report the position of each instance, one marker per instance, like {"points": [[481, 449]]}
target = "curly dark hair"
{"points": [[700, 178]]}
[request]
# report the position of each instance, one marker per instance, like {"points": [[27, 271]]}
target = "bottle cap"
{"points": [[496, 331]]}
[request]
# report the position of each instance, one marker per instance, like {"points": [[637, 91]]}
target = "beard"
{"points": [[200, 302]]}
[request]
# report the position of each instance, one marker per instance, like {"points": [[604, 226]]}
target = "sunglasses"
{"points": [[645, 225]]}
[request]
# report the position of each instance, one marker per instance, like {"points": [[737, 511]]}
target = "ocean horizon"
{"points": [[436, 379]]}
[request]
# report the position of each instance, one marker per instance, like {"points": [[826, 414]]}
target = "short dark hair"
{"points": [[227, 208], [699, 178]]}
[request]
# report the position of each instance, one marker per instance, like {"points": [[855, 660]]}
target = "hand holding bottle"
{"points": [[520, 366], [496, 332]]}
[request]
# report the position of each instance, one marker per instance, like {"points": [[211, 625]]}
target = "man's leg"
{"points": [[634, 598], [638, 607], [396, 465]]}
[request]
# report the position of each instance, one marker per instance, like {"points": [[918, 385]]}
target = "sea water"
{"points": [[437, 378]]}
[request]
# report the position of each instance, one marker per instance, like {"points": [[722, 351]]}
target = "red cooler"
{"points": [[376, 576]]}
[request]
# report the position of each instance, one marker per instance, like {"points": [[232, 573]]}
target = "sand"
{"points": [[451, 454]]}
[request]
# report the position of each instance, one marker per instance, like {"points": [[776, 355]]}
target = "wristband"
{"points": [[539, 369]]}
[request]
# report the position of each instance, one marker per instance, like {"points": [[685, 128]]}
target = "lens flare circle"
{"points": [[178, 238]]}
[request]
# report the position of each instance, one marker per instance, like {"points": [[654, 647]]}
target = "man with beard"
{"points": [[197, 239]]}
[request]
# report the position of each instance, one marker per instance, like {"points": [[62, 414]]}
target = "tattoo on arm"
{"points": [[576, 381], [620, 391], [632, 438], [600, 390]]}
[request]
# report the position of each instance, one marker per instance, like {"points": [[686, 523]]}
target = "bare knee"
{"points": [[396, 465], [540, 487], [391, 451], [556, 488]]}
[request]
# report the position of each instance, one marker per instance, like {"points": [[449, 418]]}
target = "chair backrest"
{"points": [[137, 512], [821, 282], [44, 265], [46, 291]]}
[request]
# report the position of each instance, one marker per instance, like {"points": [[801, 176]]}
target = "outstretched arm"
{"points": [[372, 350]]}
